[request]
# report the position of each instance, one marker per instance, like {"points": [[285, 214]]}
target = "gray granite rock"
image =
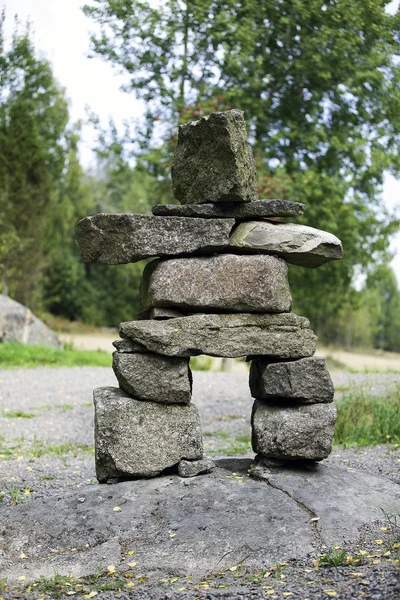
{"points": [[118, 238], [154, 377], [223, 282], [158, 313], [306, 380], [293, 432], [19, 324], [283, 335], [128, 345], [297, 244], [233, 210], [142, 439], [191, 468], [213, 161]]}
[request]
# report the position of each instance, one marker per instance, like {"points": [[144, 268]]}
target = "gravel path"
{"points": [[49, 447]]}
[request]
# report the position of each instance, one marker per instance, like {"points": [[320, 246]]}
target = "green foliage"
{"points": [[14, 355], [367, 421], [321, 92], [33, 120], [334, 558]]}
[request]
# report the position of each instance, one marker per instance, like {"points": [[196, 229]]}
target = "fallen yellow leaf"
{"points": [[132, 564], [181, 589], [22, 555], [379, 542], [330, 593], [27, 492], [117, 509], [363, 552], [22, 577], [234, 568], [131, 552], [287, 594], [91, 595], [130, 584], [110, 569], [383, 528]]}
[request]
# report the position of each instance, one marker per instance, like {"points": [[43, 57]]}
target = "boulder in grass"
{"points": [[213, 161], [19, 324], [154, 377], [297, 244], [293, 432], [306, 380], [223, 282], [136, 439]]}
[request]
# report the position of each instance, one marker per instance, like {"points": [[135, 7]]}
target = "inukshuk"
{"points": [[219, 287]]}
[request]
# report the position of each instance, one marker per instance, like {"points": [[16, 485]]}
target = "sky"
{"points": [[61, 32]]}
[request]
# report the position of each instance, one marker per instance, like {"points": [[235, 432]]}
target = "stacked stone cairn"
{"points": [[219, 287]]}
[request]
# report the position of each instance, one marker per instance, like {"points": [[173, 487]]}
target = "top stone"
{"points": [[213, 161]]}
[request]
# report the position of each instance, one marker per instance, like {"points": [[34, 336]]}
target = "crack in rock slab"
{"points": [[189, 526], [343, 500], [174, 525]]}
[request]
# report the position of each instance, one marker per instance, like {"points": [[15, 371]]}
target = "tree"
{"points": [[320, 86], [33, 120]]}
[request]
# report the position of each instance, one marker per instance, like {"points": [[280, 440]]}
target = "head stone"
{"points": [[213, 161]]}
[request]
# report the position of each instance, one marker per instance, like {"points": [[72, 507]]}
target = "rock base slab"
{"points": [[207, 515]]}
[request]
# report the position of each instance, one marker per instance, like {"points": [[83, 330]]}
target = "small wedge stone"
{"points": [[232, 210], [282, 335], [213, 161], [297, 244], [306, 380], [223, 282], [128, 345], [293, 432], [153, 377], [191, 468], [158, 313], [118, 239], [141, 439]]}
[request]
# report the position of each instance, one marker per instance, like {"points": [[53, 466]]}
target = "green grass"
{"points": [[15, 355], [18, 414], [367, 421]]}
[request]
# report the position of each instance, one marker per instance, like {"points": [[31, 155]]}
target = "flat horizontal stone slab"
{"points": [[213, 161], [306, 380], [284, 335], [293, 432], [153, 377], [232, 210], [217, 519], [297, 244], [118, 238], [142, 439], [224, 282]]}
